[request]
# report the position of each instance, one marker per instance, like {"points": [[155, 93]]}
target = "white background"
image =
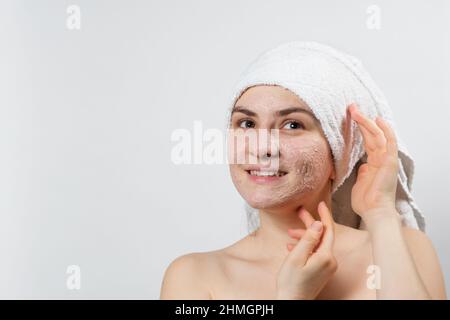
{"points": [[86, 118]]}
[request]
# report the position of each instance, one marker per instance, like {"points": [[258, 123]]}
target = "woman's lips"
{"points": [[262, 179]]}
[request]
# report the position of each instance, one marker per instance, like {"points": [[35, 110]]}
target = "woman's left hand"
{"points": [[374, 191]]}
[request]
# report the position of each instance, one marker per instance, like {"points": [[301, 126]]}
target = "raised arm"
{"points": [[408, 265]]}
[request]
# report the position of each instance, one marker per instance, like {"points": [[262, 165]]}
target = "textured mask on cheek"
{"points": [[308, 163]]}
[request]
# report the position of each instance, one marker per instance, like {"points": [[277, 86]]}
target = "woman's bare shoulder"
{"points": [[351, 235], [202, 261], [183, 279], [189, 276]]}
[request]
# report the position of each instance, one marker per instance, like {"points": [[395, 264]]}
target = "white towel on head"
{"points": [[329, 81]]}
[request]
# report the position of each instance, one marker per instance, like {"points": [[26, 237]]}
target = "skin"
{"points": [[304, 154], [286, 258]]}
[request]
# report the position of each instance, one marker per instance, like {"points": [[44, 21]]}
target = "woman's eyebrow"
{"points": [[244, 111], [280, 113], [290, 110]]}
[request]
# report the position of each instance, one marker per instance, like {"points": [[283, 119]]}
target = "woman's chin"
{"points": [[264, 202]]}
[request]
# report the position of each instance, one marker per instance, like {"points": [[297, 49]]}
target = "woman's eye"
{"points": [[246, 124], [293, 125]]}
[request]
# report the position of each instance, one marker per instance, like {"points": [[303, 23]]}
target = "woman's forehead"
{"points": [[269, 98]]}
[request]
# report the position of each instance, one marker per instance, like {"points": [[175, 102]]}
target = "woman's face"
{"points": [[302, 155]]}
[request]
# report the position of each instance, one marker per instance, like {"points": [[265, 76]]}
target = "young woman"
{"points": [[299, 251]]}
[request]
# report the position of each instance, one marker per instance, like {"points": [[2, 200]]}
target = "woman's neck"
{"points": [[271, 238]]}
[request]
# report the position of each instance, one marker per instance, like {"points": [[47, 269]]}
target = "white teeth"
{"points": [[266, 173]]}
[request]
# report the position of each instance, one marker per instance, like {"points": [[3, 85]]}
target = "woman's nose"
{"points": [[267, 146]]}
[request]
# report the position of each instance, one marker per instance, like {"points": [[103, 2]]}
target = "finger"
{"points": [[374, 134], [296, 233], [368, 139], [306, 217], [301, 252], [362, 170], [325, 215], [329, 225], [290, 245], [391, 143], [363, 120]]}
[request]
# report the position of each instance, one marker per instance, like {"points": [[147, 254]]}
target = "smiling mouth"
{"points": [[261, 173]]}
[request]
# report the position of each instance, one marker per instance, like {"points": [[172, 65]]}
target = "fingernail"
{"points": [[317, 226]]}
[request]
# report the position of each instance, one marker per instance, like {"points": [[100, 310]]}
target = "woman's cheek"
{"points": [[311, 171], [309, 165]]}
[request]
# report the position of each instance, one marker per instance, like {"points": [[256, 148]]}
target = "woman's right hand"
{"points": [[310, 263]]}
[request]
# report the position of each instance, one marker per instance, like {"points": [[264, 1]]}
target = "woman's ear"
{"points": [[333, 174], [333, 167]]}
